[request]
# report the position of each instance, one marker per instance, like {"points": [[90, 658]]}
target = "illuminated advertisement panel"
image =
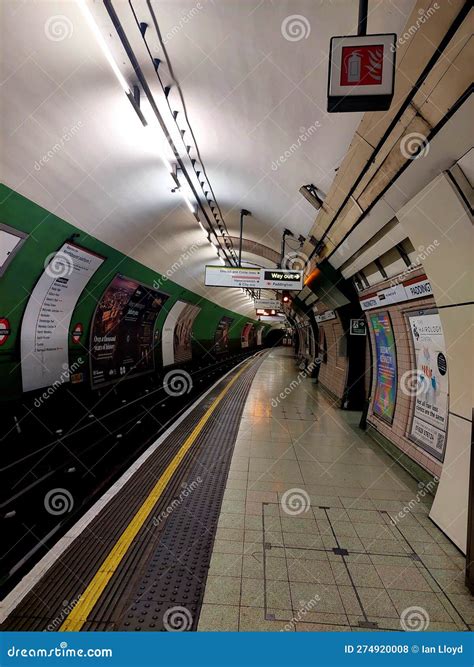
{"points": [[386, 371]]}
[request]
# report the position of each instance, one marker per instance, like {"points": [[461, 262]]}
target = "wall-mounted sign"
{"points": [[417, 288], [324, 317], [273, 304], [46, 321], [386, 374], [358, 328], [5, 330], [177, 333], [122, 331], [232, 276], [429, 384], [361, 72], [278, 279], [77, 331]]}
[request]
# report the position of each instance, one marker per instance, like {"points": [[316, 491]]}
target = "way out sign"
{"points": [[361, 73]]}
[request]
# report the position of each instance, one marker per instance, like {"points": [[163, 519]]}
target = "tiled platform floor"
{"points": [[333, 553]]}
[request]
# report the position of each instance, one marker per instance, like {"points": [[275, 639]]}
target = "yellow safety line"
{"points": [[79, 614]]}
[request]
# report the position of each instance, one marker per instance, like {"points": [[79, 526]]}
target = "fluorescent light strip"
{"points": [[187, 200], [101, 42]]}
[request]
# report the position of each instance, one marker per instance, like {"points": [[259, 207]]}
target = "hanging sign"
{"points": [[273, 304], [232, 276], [278, 279], [237, 276], [361, 72]]}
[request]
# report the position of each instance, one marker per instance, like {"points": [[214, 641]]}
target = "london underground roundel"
{"points": [[5, 330], [77, 332]]}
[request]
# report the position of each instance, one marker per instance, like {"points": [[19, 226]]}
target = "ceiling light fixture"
{"points": [[101, 42]]}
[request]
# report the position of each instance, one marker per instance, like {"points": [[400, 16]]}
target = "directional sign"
{"points": [[232, 276], [273, 304], [361, 72], [279, 279]]}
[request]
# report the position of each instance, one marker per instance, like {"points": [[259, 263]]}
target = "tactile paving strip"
{"points": [[166, 565]]}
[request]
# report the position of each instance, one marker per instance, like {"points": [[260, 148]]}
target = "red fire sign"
{"points": [[362, 65]]}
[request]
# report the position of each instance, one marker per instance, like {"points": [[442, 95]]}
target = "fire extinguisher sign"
{"points": [[361, 73]]}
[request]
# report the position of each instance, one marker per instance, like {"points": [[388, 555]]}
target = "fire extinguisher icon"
{"points": [[353, 67]]}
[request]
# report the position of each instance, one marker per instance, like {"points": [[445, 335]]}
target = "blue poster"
{"points": [[386, 372]]}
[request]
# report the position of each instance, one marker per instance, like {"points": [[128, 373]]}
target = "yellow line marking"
{"points": [[79, 614]]}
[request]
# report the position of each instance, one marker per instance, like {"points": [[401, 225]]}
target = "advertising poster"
{"points": [[177, 333], [47, 317], [221, 337], [259, 335], [122, 331], [430, 384], [247, 337], [386, 372]]}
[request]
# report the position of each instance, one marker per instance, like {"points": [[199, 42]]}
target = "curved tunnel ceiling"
{"points": [[74, 145]]}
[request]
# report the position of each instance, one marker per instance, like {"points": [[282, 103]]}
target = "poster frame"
{"points": [[431, 310], [155, 343], [375, 375]]}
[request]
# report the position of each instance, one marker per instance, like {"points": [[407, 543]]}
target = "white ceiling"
{"points": [[249, 93]]}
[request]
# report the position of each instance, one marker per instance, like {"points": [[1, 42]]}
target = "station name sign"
{"points": [[232, 276], [417, 289]]}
